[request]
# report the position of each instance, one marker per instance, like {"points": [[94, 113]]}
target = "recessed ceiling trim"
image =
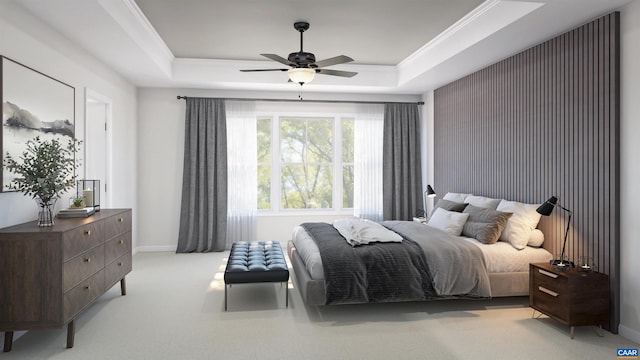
{"points": [[129, 16], [485, 20]]}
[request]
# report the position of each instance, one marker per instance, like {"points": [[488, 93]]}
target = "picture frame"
{"points": [[33, 104]]}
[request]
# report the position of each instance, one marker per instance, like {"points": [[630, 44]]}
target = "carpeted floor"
{"points": [[175, 310]]}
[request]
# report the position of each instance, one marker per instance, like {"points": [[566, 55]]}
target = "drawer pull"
{"points": [[119, 263], [120, 219], [549, 274], [120, 242], [87, 260], [87, 288], [547, 291], [87, 232]]}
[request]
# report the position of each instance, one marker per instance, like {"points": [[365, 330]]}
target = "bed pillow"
{"points": [[484, 225], [536, 239], [448, 221], [360, 232], [449, 205], [456, 197], [482, 202], [524, 220]]}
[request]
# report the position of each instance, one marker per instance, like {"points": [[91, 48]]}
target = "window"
{"points": [[305, 162]]}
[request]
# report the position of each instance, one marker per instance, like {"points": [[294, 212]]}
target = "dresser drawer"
{"points": [[117, 247], [115, 271], [81, 267], [117, 225], [83, 294], [81, 239]]}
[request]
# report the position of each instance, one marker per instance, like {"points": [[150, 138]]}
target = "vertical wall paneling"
{"points": [[544, 122]]}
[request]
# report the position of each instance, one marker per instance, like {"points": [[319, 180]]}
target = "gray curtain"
{"points": [[402, 166], [203, 214]]}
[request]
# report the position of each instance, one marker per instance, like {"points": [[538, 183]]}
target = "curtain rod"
{"points": [[317, 101]]}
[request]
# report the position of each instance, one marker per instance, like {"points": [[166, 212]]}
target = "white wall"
{"points": [[160, 160], [30, 42], [630, 172]]}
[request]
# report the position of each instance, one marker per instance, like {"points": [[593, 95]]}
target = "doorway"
{"points": [[97, 143]]}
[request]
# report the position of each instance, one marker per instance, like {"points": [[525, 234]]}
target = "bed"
{"points": [[504, 268]]}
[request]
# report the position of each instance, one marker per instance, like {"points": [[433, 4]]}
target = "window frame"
{"points": [[276, 166]]}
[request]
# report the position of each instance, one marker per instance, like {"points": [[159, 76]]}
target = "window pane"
{"points": [[307, 186], [347, 140], [347, 187], [306, 140], [292, 140], [264, 140], [319, 141], [264, 187]]}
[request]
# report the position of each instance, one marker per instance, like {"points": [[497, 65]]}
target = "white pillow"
{"points": [[525, 218], [448, 221], [482, 202], [536, 239], [359, 232], [456, 197]]}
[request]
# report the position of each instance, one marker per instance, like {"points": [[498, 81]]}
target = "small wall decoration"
{"points": [[33, 104]]}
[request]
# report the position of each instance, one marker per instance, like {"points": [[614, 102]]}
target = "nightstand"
{"points": [[572, 297]]}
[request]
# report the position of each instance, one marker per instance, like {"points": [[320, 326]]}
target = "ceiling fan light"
{"points": [[301, 75]]}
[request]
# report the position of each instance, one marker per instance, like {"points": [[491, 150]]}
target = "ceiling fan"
{"points": [[303, 65]]}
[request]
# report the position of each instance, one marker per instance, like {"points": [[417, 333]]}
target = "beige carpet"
{"points": [[174, 310]]}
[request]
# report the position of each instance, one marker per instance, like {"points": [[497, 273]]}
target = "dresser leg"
{"points": [[123, 287], [572, 329], [71, 332], [8, 340]]}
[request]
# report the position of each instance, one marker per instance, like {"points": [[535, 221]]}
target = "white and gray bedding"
{"points": [[456, 268], [499, 258]]}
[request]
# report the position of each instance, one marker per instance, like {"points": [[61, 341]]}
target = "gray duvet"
{"points": [[456, 266], [428, 264]]}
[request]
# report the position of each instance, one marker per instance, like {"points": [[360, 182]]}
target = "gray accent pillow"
{"points": [[450, 205], [485, 225]]}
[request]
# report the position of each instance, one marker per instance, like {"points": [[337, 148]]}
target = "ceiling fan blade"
{"points": [[264, 70], [341, 59], [278, 58], [336, 72]]}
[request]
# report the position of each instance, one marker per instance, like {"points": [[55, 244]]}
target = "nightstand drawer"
{"points": [[549, 280], [550, 302]]}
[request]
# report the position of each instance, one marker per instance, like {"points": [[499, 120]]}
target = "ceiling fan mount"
{"points": [[306, 60]]}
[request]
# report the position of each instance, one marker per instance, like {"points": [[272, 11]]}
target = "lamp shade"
{"points": [[301, 75], [547, 207], [430, 191]]}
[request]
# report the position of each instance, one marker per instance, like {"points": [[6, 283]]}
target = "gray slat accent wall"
{"points": [[544, 122]]}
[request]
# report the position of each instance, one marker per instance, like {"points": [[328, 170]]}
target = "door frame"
{"points": [[92, 95]]}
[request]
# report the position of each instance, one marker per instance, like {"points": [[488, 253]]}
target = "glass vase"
{"points": [[46, 212]]}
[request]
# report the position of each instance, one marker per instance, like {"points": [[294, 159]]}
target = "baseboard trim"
{"points": [[156, 248], [629, 333]]}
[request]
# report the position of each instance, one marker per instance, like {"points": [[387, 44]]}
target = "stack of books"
{"points": [[76, 212]]}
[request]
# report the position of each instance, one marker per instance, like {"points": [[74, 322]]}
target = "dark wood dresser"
{"points": [[48, 275], [572, 297]]}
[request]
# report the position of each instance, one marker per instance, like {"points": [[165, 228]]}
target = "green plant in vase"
{"points": [[44, 171]]}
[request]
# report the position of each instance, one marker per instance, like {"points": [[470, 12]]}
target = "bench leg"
{"points": [[225, 297], [286, 293]]}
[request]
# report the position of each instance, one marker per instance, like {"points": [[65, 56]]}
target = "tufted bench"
{"points": [[252, 262]]}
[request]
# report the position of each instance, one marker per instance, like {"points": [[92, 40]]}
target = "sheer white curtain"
{"points": [[242, 171], [368, 132]]}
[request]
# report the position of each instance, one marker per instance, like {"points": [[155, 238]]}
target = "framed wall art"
{"points": [[33, 104]]}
